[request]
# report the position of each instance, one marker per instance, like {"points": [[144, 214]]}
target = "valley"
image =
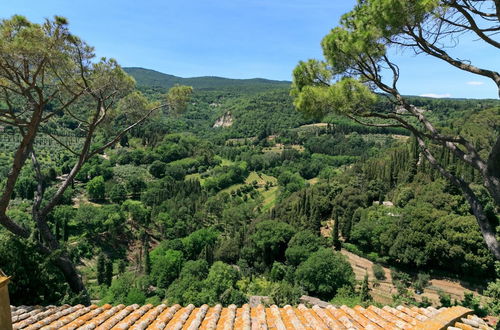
{"points": [[143, 196]]}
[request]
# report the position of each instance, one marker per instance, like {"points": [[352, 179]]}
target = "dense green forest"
{"points": [[227, 192], [185, 212]]}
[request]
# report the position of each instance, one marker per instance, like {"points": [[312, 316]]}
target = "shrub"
{"points": [[493, 293], [444, 299], [271, 239], [200, 243], [474, 303], [301, 246], [278, 272], [118, 193], [426, 302], [324, 272], [346, 296], [422, 282], [400, 277], [283, 293], [157, 169], [96, 189], [378, 272], [353, 249], [125, 290], [221, 277], [233, 296], [373, 256], [165, 267]]}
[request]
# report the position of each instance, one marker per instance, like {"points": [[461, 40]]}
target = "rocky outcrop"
{"points": [[225, 121]]}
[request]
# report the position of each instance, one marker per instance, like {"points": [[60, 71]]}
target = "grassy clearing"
{"points": [[225, 162], [269, 198], [195, 176], [313, 125], [313, 180], [261, 178], [232, 188], [279, 147]]}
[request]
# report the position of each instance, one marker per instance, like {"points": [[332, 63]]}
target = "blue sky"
{"points": [[238, 39]]}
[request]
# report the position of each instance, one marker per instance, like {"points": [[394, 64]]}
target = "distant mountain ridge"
{"points": [[151, 78]]}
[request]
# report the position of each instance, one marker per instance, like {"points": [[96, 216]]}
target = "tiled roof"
{"points": [[205, 317]]}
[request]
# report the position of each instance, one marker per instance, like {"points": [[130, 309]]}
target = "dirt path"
{"points": [[383, 291]]}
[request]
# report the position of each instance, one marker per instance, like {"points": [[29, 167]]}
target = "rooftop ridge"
{"points": [[245, 317]]}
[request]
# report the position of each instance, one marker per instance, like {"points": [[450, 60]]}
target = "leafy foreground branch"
{"points": [[47, 73], [357, 66]]}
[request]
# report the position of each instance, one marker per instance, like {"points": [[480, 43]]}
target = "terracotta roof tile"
{"points": [[391, 319], [24, 312], [175, 317], [310, 318], [242, 320], [258, 318], [275, 318], [331, 322], [364, 317], [211, 318], [196, 318], [384, 319], [343, 317], [403, 316], [38, 315], [180, 317], [148, 317], [86, 317], [54, 317]]}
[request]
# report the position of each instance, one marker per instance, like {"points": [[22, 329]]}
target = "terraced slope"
{"points": [[383, 291]]}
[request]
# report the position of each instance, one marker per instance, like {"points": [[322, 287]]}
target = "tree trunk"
{"points": [[72, 278], [487, 229]]}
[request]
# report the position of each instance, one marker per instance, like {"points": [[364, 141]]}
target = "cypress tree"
{"points": [[65, 230], [381, 197], [335, 233], [108, 276], [364, 292], [101, 276], [346, 228], [412, 170], [121, 266], [147, 263], [314, 220]]}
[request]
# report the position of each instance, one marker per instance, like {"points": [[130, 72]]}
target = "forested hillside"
{"points": [[154, 202], [152, 79], [179, 201]]}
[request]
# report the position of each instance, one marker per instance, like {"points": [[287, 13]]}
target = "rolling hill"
{"points": [[154, 79]]}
